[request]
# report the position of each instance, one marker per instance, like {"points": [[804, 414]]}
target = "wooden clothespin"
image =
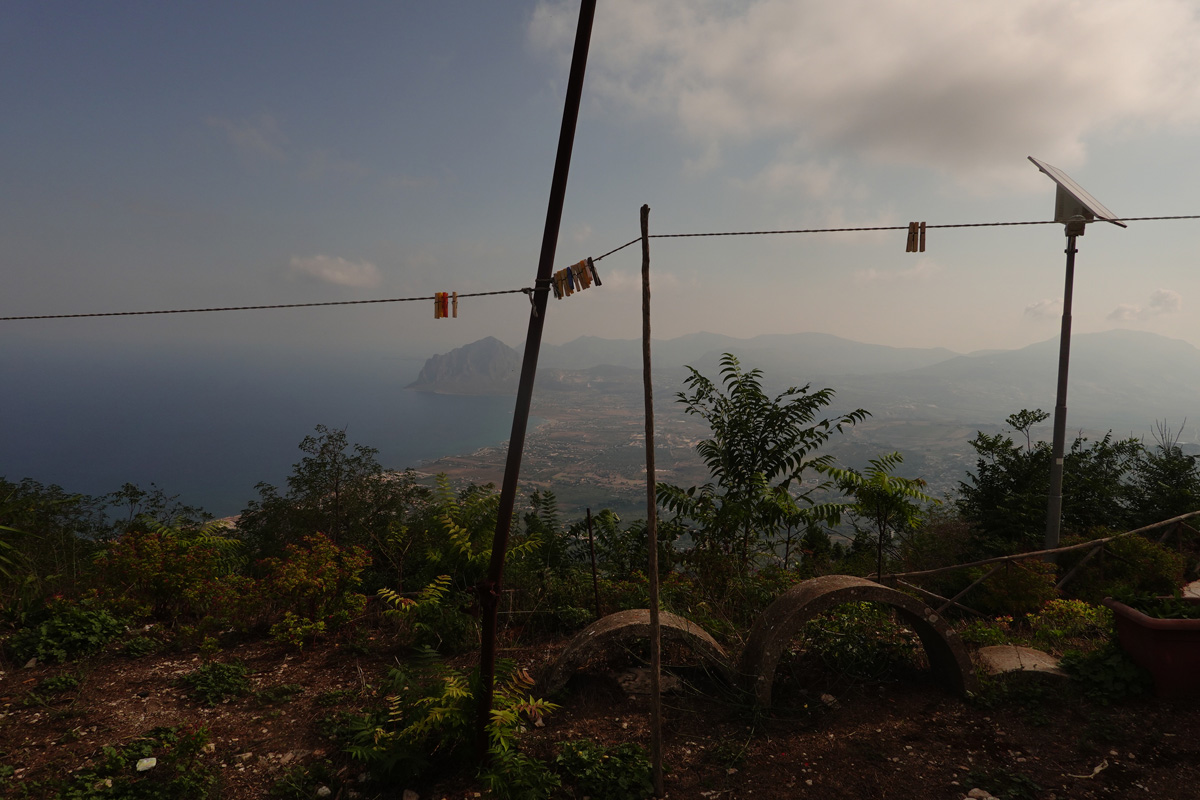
{"points": [[592, 269], [437, 305], [456, 305], [916, 238]]}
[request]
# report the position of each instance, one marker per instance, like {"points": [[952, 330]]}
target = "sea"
{"points": [[209, 428]]}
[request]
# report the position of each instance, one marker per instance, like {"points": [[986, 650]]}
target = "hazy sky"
{"points": [[173, 155]]}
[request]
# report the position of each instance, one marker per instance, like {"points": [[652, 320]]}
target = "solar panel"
{"points": [[1072, 199]]}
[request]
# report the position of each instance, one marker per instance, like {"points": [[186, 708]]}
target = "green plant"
{"points": [[1016, 588], [216, 681], [987, 632], [622, 772], [47, 689], [317, 584], [179, 772], [860, 641], [1062, 622], [140, 646], [278, 694], [427, 723], [1172, 607], [756, 457], [1106, 675], [174, 573], [1131, 565], [63, 630]]}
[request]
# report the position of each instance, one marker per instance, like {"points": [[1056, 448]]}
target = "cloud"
{"points": [[627, 281], [1166, 301], [339, 271], [1044, 309], [813, 178], [966, 88], [1162, 301], [923, 270], [259, 137]]}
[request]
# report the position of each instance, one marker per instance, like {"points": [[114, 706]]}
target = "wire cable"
{"points": [[257, 308], [529, 291]]}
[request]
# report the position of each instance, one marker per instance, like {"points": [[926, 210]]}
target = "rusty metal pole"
{"points": [[656, 755], [489, 590]]}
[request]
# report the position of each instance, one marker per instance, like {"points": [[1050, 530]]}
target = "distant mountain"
{"points": [[791, 353], [485, 367]]}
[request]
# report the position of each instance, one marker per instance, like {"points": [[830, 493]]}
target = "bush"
{"points": [[1129, 565], [1063, 622], [215, 682], [617, 773], [179, 774], [316, 583], [1106, 675], [170, 573], [63, 630], [425, 730], [860, 641], [1016, 588]]}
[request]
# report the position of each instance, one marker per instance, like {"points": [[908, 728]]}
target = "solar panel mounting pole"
{"points": [[1075, 208]]}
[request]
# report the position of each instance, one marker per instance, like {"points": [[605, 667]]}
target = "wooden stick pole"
{"points": [[656, 755], [488, 591], [595, 576]]}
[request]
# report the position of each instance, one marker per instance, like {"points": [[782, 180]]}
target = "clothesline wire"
{"points": [[529, 291], [260, 308]]}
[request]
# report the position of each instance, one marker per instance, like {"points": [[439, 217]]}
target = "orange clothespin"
{"points": [[437, 305]]}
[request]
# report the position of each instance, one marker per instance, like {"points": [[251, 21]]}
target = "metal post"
{"points": [[488, 591], [595, 575], [1074, 229]]}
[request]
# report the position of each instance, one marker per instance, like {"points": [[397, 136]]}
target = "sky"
{"points": [[182, 155]]}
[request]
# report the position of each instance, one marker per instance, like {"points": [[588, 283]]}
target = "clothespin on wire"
{"points": [[916, 238], [575, 278]]}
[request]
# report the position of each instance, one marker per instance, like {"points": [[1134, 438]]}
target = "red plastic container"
{"points": [[1168, 648]]}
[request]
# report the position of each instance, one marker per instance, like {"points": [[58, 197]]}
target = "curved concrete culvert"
{"points": [[608, 635], [784, 618]]}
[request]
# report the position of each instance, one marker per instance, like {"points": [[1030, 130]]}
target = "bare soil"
{"points": [[903, 738]]}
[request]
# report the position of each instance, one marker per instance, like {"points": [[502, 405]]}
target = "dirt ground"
{"points": [[900, 738]]}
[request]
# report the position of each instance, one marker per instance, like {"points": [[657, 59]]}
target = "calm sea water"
{"points": [[210, 428]]}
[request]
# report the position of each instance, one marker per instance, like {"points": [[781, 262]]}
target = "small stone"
{"points": [[210, 748], [31, 663], [731, 771], [409, 794], [979, 793], [324, 791], [245, 756], [144, 764]]}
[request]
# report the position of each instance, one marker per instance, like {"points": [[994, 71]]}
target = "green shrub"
{"points": [[171, 573], [1106, 675], [316, 585], [1131, 565], [617, 773], [47, 690], [180, 771], [427, 724], [860, 641], [63, 630], [987, 632], [1016, 588], [215, 682], [1064, 622]]}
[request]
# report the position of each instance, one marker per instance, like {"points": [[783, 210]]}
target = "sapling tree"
{"points": [[758, 452]]}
